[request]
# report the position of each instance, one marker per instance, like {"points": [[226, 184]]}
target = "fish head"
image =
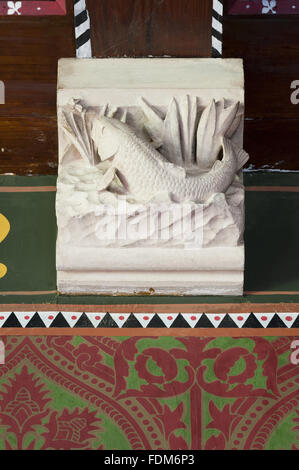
{"points": [[106, 136]]}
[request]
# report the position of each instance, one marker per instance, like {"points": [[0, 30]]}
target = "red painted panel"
{"points": [[33, 8], [263, 7]]}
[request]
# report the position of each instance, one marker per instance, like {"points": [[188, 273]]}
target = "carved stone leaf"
{"points": [[75, 128], [216, 122], [154, 123], [205, 135], [188, 122], [184, 138], [226, 116], [171, 147]]}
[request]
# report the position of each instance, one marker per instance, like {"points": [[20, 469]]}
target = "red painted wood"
{"points": [[258, 7], [34, 8]]}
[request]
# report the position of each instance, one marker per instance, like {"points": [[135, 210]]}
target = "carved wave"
{"points": [[85, 217], [88, 190]]}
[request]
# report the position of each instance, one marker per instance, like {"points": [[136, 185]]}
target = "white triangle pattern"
{"points": [[264, 318], [3, 317], [239, 318], [48, 317], [24, 317], [167, 318], [191, 318], [120, 318], [71, 317], [215, 318], [144, 318], [288, 318], [95, 318]]}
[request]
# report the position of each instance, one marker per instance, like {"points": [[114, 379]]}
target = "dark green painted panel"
{"points": [[43, 180], [273, 178], [271, 241], [272, 249], [254, 178], [29, 249], [129, 300], [28, 299], [163, 300]]}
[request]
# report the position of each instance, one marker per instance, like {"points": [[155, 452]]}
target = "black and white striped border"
{"points": [[57, 319], [82, 30], [217, 28]]}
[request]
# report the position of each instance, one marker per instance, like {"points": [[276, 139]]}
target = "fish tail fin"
{"points": [[242, 158], [240, 154]]}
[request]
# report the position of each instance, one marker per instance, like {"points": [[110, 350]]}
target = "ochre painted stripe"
{"points": [[27, 189], [34, 292], [174, 332], [287, 189], [156, 308]]}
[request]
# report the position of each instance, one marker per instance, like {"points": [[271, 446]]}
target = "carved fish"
{"points": [[145, 173]]}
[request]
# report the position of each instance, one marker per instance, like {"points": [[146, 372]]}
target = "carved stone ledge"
{"points": [[155, 144]]}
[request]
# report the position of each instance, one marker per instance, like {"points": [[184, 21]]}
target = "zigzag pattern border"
{"points": [[57, 319], [217, 28]]}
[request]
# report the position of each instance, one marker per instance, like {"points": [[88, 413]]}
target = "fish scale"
{"points": [[147, 173]]}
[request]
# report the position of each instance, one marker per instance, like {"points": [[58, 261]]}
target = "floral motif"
{"points": [[68, 430], [230, 384], [222, 420], [25, 403], [14, 8], [148, 393], [33, 7], [163, 360], [197, 352], [156, 385], [258, 7], [171, 420], [268, 6]]}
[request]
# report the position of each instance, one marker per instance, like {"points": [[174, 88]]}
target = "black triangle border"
{"points": [[60, 321]]}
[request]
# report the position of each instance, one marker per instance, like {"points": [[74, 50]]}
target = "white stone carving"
{"points": [[150, 194]]}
